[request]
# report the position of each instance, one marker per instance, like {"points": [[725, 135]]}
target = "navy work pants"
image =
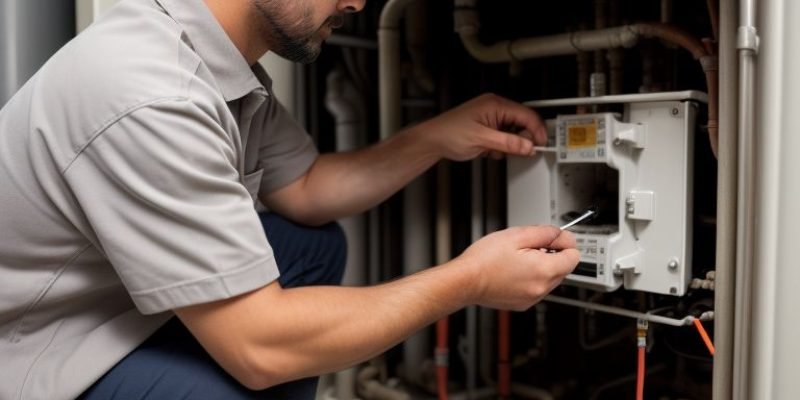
{"points": [[171, 364]]}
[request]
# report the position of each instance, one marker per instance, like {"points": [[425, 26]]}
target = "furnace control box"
{"points": [[635, 170]]}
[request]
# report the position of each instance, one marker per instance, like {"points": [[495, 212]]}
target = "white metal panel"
{"points": [[775, 323]]}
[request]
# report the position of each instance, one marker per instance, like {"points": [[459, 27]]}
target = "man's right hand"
{"points": [[512, 271], [274, 335]]}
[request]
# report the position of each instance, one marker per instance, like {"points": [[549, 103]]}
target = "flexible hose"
{"points": [[704, 335]]}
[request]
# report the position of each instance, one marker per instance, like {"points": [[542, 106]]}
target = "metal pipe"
{"points": [[599, 76], [747, 48], [727, 161], [417, 235], [389, 66], [658, 319], [477, 231]]}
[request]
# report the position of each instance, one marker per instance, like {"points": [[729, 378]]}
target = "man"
{"points": [[129, 165]]}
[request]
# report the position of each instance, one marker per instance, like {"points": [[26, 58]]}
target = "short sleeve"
{"points": [[163, 195], [285, 150]]}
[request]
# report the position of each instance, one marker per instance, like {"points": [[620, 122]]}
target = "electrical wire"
{"points": [[641, 343], [704, 335]]}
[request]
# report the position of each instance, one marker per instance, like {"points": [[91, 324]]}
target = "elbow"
{"points": [[302, 213], [307, 218], [255, 382]]}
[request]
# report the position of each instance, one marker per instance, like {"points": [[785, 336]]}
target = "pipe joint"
{"points": [[709, 63], [392, 13], [747, 39]]}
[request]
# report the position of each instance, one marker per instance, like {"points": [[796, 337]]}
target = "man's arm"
{"points": [[275, 335], [342, 184]]}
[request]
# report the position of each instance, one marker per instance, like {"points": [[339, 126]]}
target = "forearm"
{"points": [[313, 330], [344, 184]]}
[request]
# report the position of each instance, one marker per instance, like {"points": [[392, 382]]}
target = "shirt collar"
{"points": [[228, 66]]}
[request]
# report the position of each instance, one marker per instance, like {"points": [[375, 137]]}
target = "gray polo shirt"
{"points": [[128, 169]]}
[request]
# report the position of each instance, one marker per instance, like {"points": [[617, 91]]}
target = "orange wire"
{"points": [[704, 335], [640, 375]]}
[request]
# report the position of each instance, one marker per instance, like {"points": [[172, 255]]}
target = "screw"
{"points": [[675, 111], [673, 265], [673, 290]]}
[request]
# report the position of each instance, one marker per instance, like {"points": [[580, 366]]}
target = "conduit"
{"points": [[658, 319], [747, 46], [416, 233], [346, 104], [727, 203]]}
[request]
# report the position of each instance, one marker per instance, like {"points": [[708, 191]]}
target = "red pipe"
{"points": [[504, 351], [442, 356]]}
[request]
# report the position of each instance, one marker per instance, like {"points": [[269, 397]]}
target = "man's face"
{"points": [[295, 29]]}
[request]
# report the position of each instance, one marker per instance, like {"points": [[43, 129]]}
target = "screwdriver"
{"points": [[585, 215]]}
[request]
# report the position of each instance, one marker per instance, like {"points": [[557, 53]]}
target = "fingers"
{"points": [[563, 262], [534, 237], [565, 240], [506, 143], [521, 116]]}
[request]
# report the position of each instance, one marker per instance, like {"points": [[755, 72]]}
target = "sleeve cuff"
{"points": [[208, 289]]}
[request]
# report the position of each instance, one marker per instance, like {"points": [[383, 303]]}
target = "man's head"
{"points": [[295, 29]]}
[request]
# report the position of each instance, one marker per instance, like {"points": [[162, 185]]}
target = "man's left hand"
{"points": [[485, 126]]}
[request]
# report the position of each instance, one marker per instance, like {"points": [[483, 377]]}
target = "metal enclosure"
{"points": [[636, 170]]}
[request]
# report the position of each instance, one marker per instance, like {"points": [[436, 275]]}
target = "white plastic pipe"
{"points": [[346, 104], [548, 46]]}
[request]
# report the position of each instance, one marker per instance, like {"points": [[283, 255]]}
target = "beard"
{"points": [[297, 40]]}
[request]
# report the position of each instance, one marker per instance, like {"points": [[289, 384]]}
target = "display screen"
{"points": [[584, 135]]}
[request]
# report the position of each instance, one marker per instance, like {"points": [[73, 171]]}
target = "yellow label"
{"points": [[581, 136]]}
